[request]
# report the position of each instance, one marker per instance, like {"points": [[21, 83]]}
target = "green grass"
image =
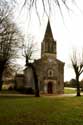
{"points": [[41, 111], [9, 92], [69, 91]]}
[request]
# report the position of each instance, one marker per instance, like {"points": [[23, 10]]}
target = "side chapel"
{"points": [[49, 69]]}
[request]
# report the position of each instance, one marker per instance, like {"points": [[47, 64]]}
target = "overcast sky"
{"points": [[67, 31]]}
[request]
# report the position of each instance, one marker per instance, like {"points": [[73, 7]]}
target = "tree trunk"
{"points": [[1, 74], [35, 80], [1, 82], [78, 85]]}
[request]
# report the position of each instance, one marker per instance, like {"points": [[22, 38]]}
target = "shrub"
{"points": [[25, 90]]}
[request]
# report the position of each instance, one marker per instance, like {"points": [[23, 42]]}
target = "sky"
{"points": [[67, 31]]}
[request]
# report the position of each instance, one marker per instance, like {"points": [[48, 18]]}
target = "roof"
{"points": [[48, 30], [41, 59], [60, 61]]}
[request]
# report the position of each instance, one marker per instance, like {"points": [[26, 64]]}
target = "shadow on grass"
{"points": [[16, 97]]}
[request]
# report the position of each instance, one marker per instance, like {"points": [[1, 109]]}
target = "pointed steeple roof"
{"points": [[48, 44], [48, 30]]}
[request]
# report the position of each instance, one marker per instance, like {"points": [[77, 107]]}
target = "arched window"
{"points": [[50, 73], [59, 83]]}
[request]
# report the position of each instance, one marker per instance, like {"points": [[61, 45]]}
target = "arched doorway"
{"points": [[50, 86]]}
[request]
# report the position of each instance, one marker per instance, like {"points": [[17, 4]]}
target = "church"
{"points": [[50, 70]]}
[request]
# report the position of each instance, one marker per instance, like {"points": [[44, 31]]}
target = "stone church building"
{"points": [[49, 69]]}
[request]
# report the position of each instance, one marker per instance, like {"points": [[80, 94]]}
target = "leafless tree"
{"points": [[28, 51], [9, 37], [47, 5], [77, 64]]}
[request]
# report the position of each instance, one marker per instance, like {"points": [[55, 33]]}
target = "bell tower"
{"points": [[48, 46]]}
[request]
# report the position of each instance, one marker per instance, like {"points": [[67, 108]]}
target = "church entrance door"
{"points": [[50, 87]]}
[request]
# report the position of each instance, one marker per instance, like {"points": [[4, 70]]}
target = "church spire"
{"points": [[48, 46], [48, 30]]}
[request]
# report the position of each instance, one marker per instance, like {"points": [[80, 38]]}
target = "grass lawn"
{"points": [[41, 111], [69, 90], [9, 92]]}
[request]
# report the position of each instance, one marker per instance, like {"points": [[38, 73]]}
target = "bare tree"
{"points": [[77, 64], [28, 51], [9, 37], [47, 5]]}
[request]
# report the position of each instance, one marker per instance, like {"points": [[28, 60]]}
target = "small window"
{"points": [[58, 82], [50, 73]]}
